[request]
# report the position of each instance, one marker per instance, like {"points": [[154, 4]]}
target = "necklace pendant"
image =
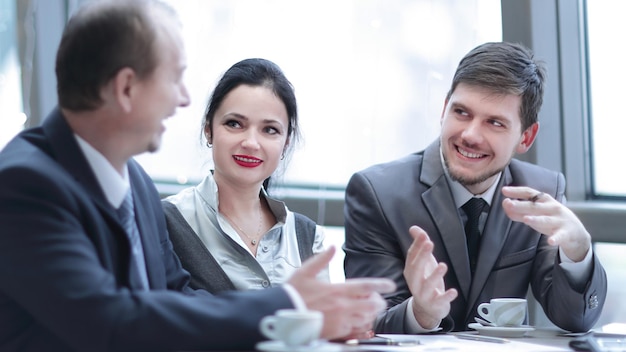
{"points": [[253, 242]]}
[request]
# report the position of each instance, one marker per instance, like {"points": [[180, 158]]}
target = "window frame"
{"points": [[555, 31]]}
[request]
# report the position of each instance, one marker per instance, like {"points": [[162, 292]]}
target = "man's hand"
{"points": [[349, 308], [424, 276], [549, 217]]}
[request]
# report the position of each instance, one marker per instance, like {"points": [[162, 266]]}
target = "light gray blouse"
{"points": [[277, 254]]}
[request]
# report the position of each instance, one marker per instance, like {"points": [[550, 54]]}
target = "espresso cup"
{"points": [[293, 327], [504, 311]]}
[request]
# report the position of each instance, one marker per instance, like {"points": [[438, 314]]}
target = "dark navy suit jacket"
{"points": [[383, 201], [64, 263]]}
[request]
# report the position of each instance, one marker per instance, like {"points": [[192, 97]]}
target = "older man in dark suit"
{"points": [[514, 230], [85, 260]]}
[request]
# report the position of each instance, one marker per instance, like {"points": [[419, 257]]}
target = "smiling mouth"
{"points": [[468, 154], [247, 160]]}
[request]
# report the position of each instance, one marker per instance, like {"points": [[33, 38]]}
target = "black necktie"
{"points": [[473, 208], [126, 212]]}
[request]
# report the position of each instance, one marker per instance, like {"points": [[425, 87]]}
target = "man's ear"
{"points": [[528, 138], [443, 111], [124, 86]]}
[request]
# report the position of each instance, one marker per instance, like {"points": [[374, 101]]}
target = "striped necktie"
{"points": [[126, 214]]}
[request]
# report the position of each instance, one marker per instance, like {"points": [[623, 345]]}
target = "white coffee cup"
{"points": [[293, 327], [504, 311]]}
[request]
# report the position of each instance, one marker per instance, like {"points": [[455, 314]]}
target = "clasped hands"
{"points": [[425, 277]]}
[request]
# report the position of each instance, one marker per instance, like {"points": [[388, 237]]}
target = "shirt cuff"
{"points": [[296, 299], [577, 272], [411, 323]]}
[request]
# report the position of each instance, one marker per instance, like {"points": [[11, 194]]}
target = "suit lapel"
{"points": [[440, 204], [67, 152], [438, 200], [146, 225]]}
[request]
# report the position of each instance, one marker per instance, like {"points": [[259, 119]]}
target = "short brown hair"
{"points": [[505, 68], [99, 40]]}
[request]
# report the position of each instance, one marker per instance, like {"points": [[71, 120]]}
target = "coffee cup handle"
{"points": [[483, 311], [268, 327]]}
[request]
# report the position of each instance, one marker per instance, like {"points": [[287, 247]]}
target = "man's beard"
{"points": [[470, 181]]}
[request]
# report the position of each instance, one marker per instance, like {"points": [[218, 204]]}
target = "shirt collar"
{"points": [[116, 185], [207, 189], [461, 195]]}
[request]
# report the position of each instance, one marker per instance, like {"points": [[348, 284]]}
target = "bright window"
{"points": [[605, 26], [370, 76], [12, 117]]}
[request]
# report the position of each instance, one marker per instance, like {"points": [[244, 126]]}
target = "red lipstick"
{"points": [[247, 160]]}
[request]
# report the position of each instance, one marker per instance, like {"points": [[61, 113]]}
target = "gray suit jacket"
{"points": [[383, 201]]}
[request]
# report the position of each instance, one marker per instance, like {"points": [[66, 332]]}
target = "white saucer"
{"points": [[279, 346], [501, 331]]}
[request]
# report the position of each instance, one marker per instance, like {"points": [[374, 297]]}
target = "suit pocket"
{"points": [[517, 258]]}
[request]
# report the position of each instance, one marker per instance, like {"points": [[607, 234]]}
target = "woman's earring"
{"points": [[282, 156], [209, 144]]}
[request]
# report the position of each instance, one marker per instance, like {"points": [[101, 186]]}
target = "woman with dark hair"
{"points": [[228, 232]]}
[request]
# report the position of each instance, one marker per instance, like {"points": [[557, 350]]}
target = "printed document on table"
{"points": [[448, 342]]}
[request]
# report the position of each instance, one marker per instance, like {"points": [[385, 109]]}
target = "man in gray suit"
{"points": [[522, 232]]}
